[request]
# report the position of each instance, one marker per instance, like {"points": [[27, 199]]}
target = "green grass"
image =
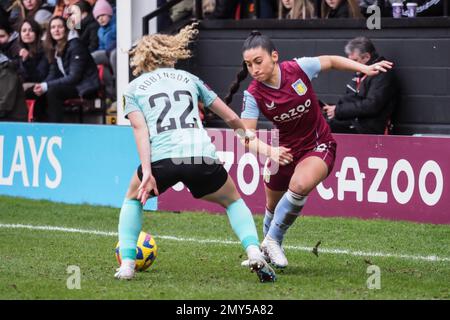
{"points": [[33, 263]]}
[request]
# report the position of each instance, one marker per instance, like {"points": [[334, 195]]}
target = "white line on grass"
{"points": [[229, 242]]}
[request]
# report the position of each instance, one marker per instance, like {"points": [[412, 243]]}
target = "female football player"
{"points": [[283, 93], [162, 106]]}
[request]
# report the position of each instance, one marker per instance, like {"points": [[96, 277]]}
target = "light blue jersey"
{"points": [[168, 99]]}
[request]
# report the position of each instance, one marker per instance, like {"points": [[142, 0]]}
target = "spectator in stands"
{"points": [[9, 42], [23, 9], [296, 9], [12, 98], [340, 9], [72, 74], [88, 26], [224, 9], [33, 65], [62, 7], [106, 53], [208, 7], [267, 9], [182, 10], [369, 102]]}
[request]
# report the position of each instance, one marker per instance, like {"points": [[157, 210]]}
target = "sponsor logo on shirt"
{"points": [[294, 113], [270, 106], [300, 87]]}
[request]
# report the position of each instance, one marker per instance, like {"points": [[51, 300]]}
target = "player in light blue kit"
{"points": [[162, 105]]}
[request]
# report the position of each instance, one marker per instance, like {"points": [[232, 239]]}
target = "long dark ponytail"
{"points": [[254, 40]]}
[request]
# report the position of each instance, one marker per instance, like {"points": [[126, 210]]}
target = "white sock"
{"points": [[128, 263]]}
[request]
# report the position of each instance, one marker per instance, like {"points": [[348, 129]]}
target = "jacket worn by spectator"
{"points": [[370, 106], [107, 36], [12, 96], [78, 69], [35, 69], [89, 33], [12, 48]]}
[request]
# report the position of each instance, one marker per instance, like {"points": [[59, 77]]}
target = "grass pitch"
{"points": [[199, 257]]}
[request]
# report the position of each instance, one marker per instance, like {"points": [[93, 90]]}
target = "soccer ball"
{"points": [[146, 252]]}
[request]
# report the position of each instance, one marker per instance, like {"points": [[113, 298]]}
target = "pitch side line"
{"points": [[431, 258]]}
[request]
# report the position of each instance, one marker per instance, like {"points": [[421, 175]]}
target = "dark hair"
{"points": [[50, 45], [362, 44], [24, 13], [254, 40], [33, 48], [4, 25], [84, 6]]}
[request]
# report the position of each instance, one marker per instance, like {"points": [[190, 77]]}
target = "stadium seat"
{"points": [[87, 105], [30, 107]]}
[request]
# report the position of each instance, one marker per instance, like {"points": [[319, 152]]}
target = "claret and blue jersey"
{"points": [[292, 107], [169, 99]]}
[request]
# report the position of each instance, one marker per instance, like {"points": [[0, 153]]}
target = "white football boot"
{"points": [[258, 264], [272, 248], [126, 270]]}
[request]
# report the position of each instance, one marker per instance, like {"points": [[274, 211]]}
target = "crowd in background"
{"points": [[295, 9], [51, 51]]}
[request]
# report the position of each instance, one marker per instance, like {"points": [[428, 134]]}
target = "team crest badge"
{"points": [[300, 87]]}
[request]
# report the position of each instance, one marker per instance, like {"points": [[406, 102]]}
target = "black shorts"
{"points": [[202, 176]]}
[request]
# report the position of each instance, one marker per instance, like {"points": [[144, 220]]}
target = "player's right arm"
{"points": [[250, 116], [216, 105], [231, 119], [142, 137]]}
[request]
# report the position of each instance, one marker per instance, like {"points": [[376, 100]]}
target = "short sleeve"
{"points": [[249, 107], [129, 103], [206, 95], [310, 65]]}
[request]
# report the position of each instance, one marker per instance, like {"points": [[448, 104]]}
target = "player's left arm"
{"points": [[345, 64]]}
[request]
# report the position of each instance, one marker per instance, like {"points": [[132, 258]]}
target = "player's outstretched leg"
{"points": [[130, 225], [243, 225]]}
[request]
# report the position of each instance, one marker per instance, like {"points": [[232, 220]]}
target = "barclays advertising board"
{"points": [[68, 163]]}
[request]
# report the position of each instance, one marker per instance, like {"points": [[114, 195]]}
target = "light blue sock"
{"points": [[130, 225], [242, 222], [286, 212], [268, 217]]}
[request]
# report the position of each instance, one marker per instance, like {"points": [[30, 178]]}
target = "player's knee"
{"points": [[300, 187]]}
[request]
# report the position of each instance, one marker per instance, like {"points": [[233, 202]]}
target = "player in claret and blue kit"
{"points": [[283, 93]]}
